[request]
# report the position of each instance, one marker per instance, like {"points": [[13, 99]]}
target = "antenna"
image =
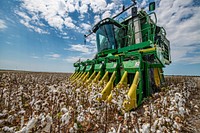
{"points": [[85, 39]]}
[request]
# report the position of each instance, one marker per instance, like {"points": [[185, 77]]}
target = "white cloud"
{"points": [[55, 13], [26, 21], [83, 9], [96, 19], [56, 22], [110, 6], [181, 21], [66, 37], [143, 4], [53, 56], [35, 57], [172, 15], [86, 2], [73, 59], [106, 14], [84, 49], [68, 22], [36, 29], [2, 24], [98, 5], [58, 14], [70, 6], [23, 15], [86, 27], [79, 47], [92, 39], [191, 60]]}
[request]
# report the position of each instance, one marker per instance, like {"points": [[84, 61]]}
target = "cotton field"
{"points": [[49, 102]]}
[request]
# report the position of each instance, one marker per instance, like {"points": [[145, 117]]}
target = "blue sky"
{"points": [[47, 35]]}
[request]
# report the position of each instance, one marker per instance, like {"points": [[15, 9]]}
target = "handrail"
{"points": [[154, 16], [164, 31], [133, 33], [150, 36]]}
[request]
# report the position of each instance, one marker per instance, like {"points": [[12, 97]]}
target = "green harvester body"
{"points": [[135, 45]]}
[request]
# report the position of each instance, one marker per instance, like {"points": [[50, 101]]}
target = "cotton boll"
{"points": [[158, 131], [10, 119], [182, 111], [154, 115], [65, 118], [177, 96], [22, 112], [92, 110], [31, 123], [191, 103], [165, 103], [46, 109], [126, 116], [22, 121], [2, 123], [77, 102], [180, 103], [78, 90], [125, 128], [3, 115], [146, 128], [177, 126], [114, 101], [112, 130], [71, 130], [37, 107], [23, 130], [32, 102], [63, 93], [75, 126], [21, 88], [81, 117], [64, 110], [154, 126], [41, 117], [80, 108], [127, 97], [196, 107], [49, 122], [99, 96], [8, 129]]}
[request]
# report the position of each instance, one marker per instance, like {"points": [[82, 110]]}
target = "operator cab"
{"points": [[106, 34]]}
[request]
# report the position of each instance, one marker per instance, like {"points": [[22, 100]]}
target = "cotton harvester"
{"points": [[133, 51]]}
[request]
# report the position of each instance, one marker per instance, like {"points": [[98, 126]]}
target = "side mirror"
{"points": [[152, 6], [134, 11]]}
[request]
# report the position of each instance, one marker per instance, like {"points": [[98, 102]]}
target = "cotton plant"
{"points": [[8, 129], [50, 103], [30, 125], [47, 122], [112, 130], [65, 118], [74, 128], [119, 96], [81, 117]]}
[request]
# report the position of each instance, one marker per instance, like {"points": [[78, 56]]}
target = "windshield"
{"points": [[105, 36]]}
